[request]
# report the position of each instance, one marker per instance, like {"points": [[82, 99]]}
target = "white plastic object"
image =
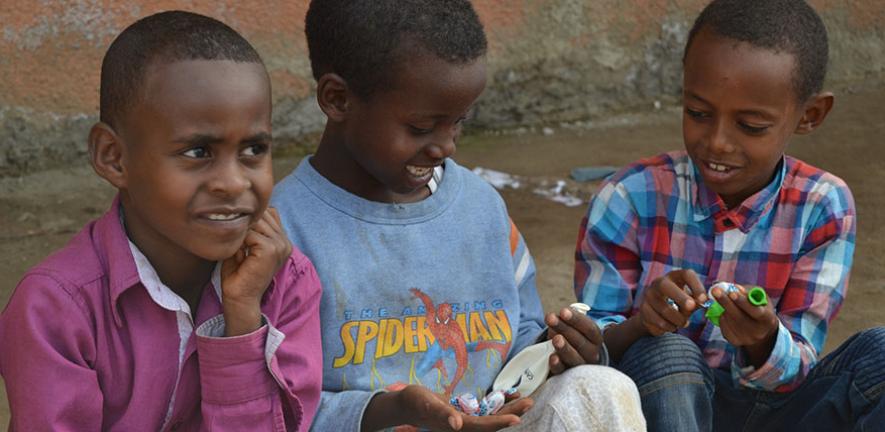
{"points": [[529, 369]]}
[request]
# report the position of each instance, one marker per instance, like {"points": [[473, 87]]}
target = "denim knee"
{"points": [[863, 356], [670, 356]]}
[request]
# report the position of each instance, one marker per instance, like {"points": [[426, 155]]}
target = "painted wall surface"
{"points": [[550, 61]]}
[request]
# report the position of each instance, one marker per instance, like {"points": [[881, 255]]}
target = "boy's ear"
{"points": [[332, 96], [816, 110], [106, 154]]}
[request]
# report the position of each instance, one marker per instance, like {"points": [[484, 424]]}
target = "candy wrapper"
{"points": [[490, 404]]}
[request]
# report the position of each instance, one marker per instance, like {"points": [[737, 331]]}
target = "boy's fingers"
{"points": [[652, 318], [518, 407], [731, 309], [570, 355], [582, 324], [696, 288], [456, 421], [673, 290], [573, 346], [555, 364], [275, 214], [263, 227], [273, 219], [685, 305], [489, 423], [446, 412], [754, 312]]}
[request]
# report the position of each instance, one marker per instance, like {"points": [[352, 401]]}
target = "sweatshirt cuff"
{"points": [[233, 369]]}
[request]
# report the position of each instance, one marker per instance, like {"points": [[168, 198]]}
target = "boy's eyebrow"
{"points": [[758, 113], [440, 115], [260, 137], [695, 96], [199, 139]]}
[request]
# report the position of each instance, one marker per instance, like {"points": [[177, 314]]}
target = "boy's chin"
{"points": [[218, 252]]}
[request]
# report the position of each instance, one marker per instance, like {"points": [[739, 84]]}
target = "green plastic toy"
{"points": [[756, 296]]}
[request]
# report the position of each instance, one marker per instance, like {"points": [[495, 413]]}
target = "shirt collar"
{"points": [[709, 204], [161, 294], [127, 267]]}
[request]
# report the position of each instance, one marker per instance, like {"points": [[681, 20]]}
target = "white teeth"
{"points": [[418, 171], [223, 217], [717, 167]]}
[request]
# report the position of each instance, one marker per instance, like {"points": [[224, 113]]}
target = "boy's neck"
{"points": [[184, 273]]}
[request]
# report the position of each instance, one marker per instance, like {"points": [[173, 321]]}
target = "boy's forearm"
{"points": [[619, 338], [382, 412]]}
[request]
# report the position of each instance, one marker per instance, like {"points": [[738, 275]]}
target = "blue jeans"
{"points": [[679, 392]]}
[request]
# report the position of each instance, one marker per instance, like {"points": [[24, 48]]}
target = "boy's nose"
{"points": [[229, 180], [443, 147], [718, 140]]}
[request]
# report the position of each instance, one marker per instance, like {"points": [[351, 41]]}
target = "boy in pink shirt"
{"points": [[185, 306]]}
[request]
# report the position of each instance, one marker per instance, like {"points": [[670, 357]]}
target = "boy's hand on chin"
{"points": [[246, 275], [684, 291], [754, 328], [576, 338]]}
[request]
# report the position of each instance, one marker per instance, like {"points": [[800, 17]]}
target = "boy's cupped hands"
{"points": [[419, 406]]}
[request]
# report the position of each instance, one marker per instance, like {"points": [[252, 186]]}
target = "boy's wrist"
{"points": [[758, 353], [241, 317]]}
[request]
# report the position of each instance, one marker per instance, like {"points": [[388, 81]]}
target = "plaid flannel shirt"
{"points": [[795, 238]]}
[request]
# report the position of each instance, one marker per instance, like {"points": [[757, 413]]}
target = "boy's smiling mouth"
{"points": [[224, 216], [718, 167], [419, 171], [717, 172]]}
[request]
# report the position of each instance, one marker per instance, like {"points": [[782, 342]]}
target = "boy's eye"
{"points": [[695, 114], [255, 150], [755, 130], [420, 131], [196, 153]]}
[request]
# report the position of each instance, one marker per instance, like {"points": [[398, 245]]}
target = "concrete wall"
{"points": [[551, 61]]}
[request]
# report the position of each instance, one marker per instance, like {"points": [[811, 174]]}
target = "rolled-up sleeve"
{"points": [[269, 379]]}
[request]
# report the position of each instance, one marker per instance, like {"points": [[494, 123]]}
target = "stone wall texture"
{"points": [[551, 61]]}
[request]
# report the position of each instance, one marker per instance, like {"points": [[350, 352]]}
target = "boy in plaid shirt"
{"points": [[732, 207]]}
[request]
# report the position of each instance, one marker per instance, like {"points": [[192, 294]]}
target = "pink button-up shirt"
{"points": [[85, 345]]}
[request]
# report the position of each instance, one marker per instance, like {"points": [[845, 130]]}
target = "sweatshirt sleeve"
{"points": [[342, 411], [46, 362], [531, 313], [269, 379]]}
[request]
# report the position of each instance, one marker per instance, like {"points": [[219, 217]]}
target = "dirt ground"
{"points": [[39, 213]]}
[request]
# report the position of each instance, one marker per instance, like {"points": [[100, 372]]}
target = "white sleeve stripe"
{"points": [[523, 267]]}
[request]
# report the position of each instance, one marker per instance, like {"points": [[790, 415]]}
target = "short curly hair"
{"points": [[165, 37], [363, 41], [789, 26]]}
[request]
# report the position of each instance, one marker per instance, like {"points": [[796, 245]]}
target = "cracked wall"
{"points": [[551, 61]]}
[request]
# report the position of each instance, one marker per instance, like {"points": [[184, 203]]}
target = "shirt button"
{"points": [[176, 426], [728, 223]]}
